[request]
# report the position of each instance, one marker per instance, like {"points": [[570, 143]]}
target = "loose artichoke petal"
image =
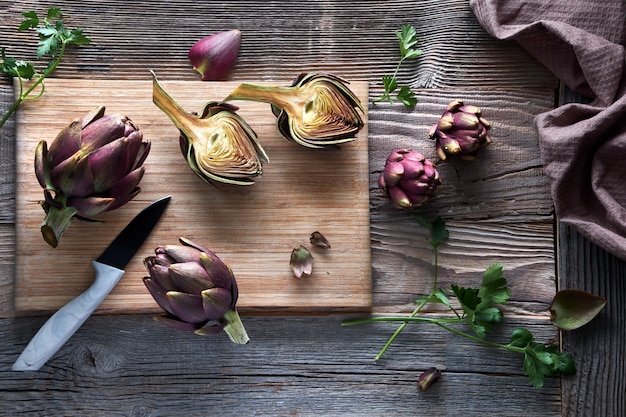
{"points": [[187, 307], [216, 301], [301, 262]]}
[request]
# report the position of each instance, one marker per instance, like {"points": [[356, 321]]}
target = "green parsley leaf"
{"points": [[407, 38], [77, 37], [32, 21], [521, 338], [53, 13], [406, 96], [493, 289]]}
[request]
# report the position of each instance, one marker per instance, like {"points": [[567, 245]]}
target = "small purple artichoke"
{"points": [[214, 56], [196, 289], [408, 179], [92, 166], [460, 131]]}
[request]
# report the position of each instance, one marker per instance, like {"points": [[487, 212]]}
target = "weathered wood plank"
{"points": [[133, 366], [280, 39]]}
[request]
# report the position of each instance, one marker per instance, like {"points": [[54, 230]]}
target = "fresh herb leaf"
{"points": [[407, 39], [54, 38], [479, 312], [406, 96], [493, 289], [32, 21]]}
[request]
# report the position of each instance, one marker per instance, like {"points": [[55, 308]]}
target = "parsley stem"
{"points": [[38, 83], [421, 304]]}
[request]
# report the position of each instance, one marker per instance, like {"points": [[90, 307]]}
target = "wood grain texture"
{"points": [[116, 367], [253, 228], [498, 210]]}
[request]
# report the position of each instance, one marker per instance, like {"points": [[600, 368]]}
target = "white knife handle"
{"points": [[62, 324]]}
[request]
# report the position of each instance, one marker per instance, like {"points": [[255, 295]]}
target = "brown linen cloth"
{"points": [[583, 146]]}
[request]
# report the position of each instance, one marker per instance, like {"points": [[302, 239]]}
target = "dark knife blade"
{"points": [[127, 243]]}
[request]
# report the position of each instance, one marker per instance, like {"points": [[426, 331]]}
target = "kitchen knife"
{"points": [[109, 268]]}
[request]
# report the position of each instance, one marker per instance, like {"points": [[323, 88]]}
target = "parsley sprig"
{"points": [[54, 38], [478, 309], [407, 39]]}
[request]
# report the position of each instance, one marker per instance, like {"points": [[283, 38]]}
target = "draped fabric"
{"points": [[583, 146]]}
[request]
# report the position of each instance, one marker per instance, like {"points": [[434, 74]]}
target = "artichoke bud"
{"points": [[93, 165], [408, 179], [214, 56], [318, 110], [194, 297], [461, 130], [219, 146]]}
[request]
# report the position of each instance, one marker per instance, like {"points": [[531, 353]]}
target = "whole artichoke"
{"points": [[408, 179], [94, 165], [196, 289], [318, 110], [461, 130]]}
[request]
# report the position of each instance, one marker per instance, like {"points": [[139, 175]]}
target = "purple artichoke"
{"points": [[408, 179], [94, 165], [214, 56], [460, 131], [196, 289]]}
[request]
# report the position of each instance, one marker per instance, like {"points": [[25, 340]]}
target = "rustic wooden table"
{"points": [[498, 210]]}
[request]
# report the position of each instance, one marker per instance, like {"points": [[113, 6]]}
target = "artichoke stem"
{"points": [[279, 96], [234, 328], [181, 118], [56, 221]]}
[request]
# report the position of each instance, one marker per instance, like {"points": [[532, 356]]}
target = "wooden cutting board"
{"points": [[254, 229]]}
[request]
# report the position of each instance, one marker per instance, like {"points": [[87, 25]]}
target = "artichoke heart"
{"points": [[318, 110], [218, 144]]}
